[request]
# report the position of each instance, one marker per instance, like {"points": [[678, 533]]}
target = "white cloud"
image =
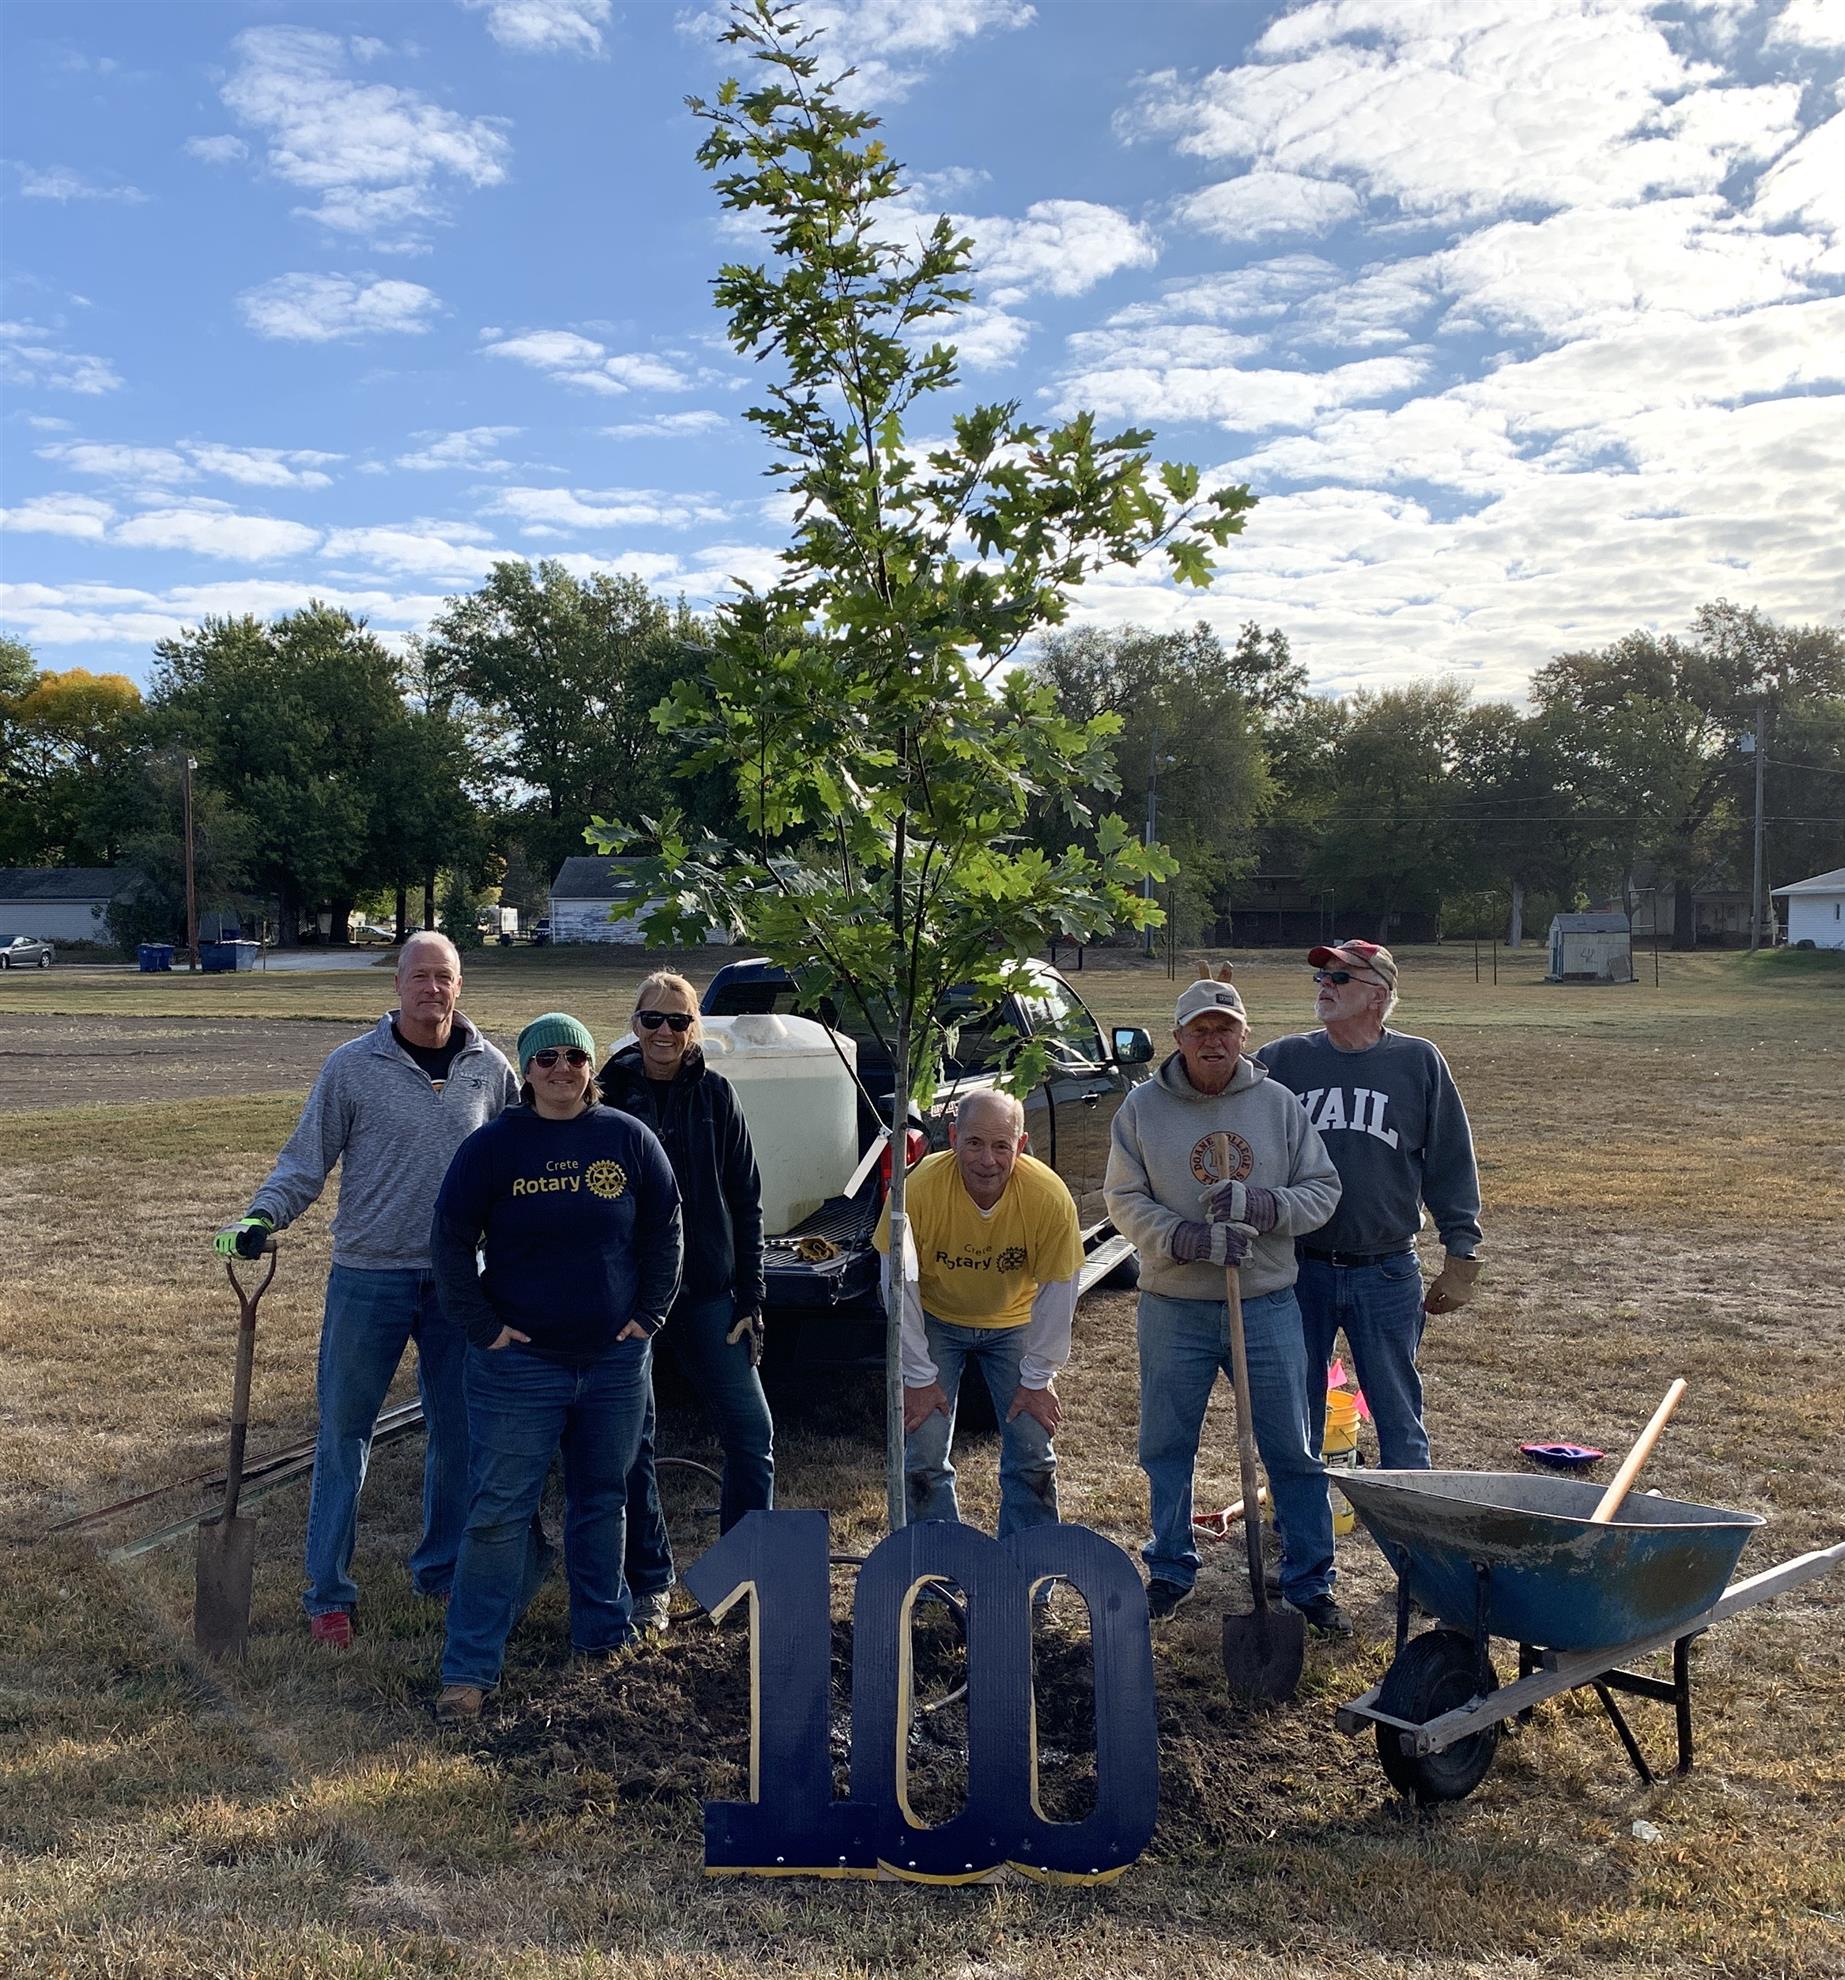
{"points": [[379, 158], [571, 359], [256, 467], [470, 449], [1808, 183], [61, 183], [223, 150], [60, 515], [45, 423], [1267, 202], [1809, 24], [208, 529], [30, 355], [99, 615], [319, 309], [891, 43], [986, 339], [411, 553], [1469, 108], [571, 27], [669, 426], [1243, 400], [542, 511], [1061, 247]]}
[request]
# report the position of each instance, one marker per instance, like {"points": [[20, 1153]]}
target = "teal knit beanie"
{"points": [[554, 1028]]}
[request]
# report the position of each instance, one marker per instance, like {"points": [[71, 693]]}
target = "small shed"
{"points": [[597, 899], [1590, 948], [61, 903], [1816, 910]]}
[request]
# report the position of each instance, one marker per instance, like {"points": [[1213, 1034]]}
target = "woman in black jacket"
{"points": [[716, 1328]]}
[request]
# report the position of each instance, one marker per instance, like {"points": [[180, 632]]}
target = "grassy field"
{"points": [[1665, 1184]]}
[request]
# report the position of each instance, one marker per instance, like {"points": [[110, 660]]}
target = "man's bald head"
{"points": [[985, 1137], [997, 1113], [431, 939]]}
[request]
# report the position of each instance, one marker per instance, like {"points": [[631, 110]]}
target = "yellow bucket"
{"points": [[1339, 1450]]}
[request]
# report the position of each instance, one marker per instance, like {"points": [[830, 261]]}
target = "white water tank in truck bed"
{"points": [[799, 1102]]}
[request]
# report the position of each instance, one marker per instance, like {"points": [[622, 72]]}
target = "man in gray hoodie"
{"points": [[391, 1107], [1168, 1190]]}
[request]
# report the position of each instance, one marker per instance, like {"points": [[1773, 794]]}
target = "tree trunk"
{"points": [[429, 902], [896, 1506], [1684, 917], [339, 927], [287, 918], [403, 911], [1515, 926]]}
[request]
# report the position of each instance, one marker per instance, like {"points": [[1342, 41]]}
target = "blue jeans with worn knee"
{"points": [[1027, 1463], [371, 1318], [522, 1410], [1184, 1343], [1379, 1309], [730, 1389]]}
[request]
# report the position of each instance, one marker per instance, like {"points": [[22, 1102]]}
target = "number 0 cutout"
{"points": [[793, 1825]]}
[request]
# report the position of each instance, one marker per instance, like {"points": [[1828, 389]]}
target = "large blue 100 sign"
{"points": [[792, 1825]]}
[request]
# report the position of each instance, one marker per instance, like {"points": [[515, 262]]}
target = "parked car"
{"points": [[541, 931], [827, 1308], [24, 952]]}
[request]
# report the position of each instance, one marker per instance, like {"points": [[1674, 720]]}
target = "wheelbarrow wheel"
{"points": [[1433, 1673]]}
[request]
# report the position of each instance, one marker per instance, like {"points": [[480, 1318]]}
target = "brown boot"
{"points": [[459, 1704]]}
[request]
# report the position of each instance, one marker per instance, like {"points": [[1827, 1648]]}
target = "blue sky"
{"points": [[1525, 318]]}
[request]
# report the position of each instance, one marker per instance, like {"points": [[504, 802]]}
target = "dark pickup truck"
{"points": [[822, 1276]]}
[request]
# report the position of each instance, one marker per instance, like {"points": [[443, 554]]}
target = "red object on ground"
{"points": [[334, 1629]]}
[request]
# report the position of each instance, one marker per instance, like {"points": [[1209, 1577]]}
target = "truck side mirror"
{"points": [[1132, 1045]]}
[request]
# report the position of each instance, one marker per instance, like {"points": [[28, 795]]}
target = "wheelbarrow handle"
{"points": [[247, 1298]]}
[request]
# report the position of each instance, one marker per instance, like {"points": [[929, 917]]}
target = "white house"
{"points": [[61, 903], [1816, 910], [1590, 948], [594, 899]]}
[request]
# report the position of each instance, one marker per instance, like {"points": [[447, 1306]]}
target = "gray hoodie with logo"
{"points": [[375, 1111], [1162, 1165]]}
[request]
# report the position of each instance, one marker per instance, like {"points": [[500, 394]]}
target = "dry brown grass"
{"points": [[1664, 1196]]}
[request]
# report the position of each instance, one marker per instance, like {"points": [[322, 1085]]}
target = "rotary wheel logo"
{"points": [[1204, 1159], [606, 1178], [1012, 1259]]}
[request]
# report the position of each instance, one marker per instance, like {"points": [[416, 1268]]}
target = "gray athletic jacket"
{"points": [[1160, 1171], [375, 1111]]}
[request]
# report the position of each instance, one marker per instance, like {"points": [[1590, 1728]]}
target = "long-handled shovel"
{"points": [[227, 1544], [1622, 1482], [1263, 1651]]}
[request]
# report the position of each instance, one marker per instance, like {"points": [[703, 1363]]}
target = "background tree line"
{"points": [[337, 770]]}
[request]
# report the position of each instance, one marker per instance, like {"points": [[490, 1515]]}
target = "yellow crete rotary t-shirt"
{"points": [[984, 1270]]}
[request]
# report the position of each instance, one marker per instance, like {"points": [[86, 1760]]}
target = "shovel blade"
{"points": [[1263, 1653], [225, 1572]]}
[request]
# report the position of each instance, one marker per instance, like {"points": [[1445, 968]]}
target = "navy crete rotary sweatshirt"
{"points": [[579, 1220]]}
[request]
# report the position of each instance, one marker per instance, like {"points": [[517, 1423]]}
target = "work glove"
{"points": [[1215, 1244], [751, 1332], [243, 1239], [1243, 1203], [1453, 1285]]}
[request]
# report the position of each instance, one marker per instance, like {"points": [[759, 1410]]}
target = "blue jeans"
{"points": [[371, 1317], [731, 1391], [521, 1410], [1380, 1309], [1183, 1345], [1027, 1463]]}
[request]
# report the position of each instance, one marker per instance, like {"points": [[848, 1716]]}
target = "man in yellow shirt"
{"points": [[989, 1274]]}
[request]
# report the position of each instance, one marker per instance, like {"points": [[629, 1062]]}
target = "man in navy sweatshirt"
{"points": [[1387, 1108]]}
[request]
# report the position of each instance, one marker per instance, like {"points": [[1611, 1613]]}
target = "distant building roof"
{"points": [[1821, 883], [591, 877], [1589, 924], [65, 883]]}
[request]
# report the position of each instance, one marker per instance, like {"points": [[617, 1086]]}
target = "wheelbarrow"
{"points": [[1515, 1555]]}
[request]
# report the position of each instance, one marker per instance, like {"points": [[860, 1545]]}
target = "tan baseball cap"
{"points": [[1210, 995]]}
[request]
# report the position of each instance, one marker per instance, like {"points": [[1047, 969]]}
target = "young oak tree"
{"points": [[882, 750]]}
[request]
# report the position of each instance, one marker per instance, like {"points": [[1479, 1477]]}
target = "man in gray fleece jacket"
{"points": [[1170, 1192], [391, 1107]]}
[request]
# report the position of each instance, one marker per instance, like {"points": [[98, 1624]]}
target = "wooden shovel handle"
{"points": [[1623, 1479]]}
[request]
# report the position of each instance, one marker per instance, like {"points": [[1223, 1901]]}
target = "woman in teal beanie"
{"points": [[575, 1208]]}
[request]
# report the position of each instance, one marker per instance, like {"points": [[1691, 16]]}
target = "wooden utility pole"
{"points": [[1755, 891], [192, 893]]}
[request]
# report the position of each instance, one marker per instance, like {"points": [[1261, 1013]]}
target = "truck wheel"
{"points": [[1433, 1673]]}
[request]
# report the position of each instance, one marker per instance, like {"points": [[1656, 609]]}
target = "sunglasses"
{"points": [[1339, 976], [572, 1055], [680, 1021]]}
